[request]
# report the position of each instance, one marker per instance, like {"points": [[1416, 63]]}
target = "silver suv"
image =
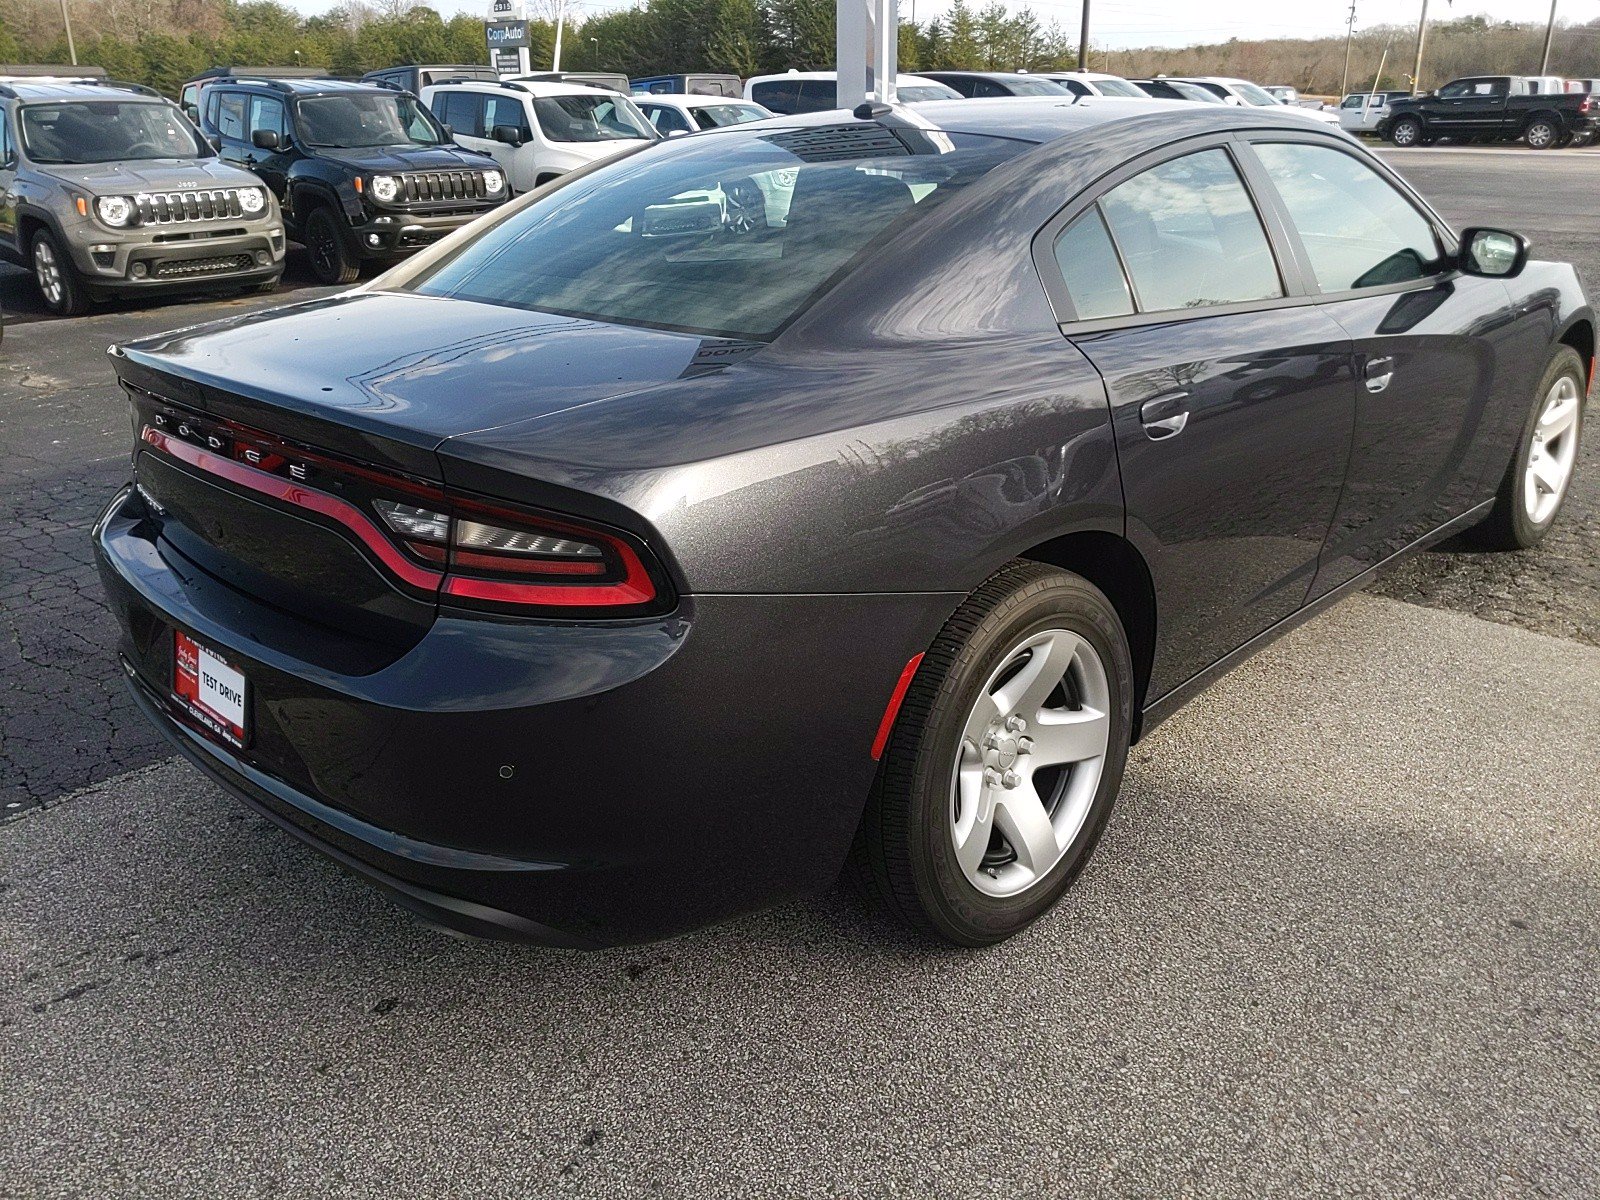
{"points": [[108, 190]]}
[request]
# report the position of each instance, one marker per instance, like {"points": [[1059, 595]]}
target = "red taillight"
{"points": [[480, 554], [1584, 107]]}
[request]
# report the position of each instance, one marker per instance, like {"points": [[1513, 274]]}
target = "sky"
{"points": [[1120, 24]]}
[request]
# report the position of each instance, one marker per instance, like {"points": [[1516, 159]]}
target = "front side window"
{"points": [[97, 131], [267, 113], [1190, 236], [364, 120], [505, 110], [590, 118], [731, 235], [1357, 229], [665, 119]]}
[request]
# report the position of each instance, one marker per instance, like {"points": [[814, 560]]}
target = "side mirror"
{"points": [[192, 112], [266, 139], [1493, 253], [509, 134]]}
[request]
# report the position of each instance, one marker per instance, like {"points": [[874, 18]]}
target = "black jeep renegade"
{"points": [[361, 171]]}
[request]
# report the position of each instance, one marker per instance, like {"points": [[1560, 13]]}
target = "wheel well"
{"points": [[1581, 338], [1112, 564], [26, 228], [1547, 114], [540, 180]]}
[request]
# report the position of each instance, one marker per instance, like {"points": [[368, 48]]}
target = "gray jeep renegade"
{"points": [[106, 189]]}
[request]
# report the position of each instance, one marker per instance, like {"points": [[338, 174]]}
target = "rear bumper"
{"points": [[572, 783]]}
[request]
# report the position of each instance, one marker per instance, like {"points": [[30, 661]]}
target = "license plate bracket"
{"points": [[212, 691]]}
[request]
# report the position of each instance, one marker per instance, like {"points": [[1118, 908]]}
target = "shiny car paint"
{"points": [[818, 504]]}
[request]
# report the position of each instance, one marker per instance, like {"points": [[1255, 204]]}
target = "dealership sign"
{"points": [[506, 35]]}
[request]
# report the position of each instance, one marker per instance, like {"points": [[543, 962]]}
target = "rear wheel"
{"points": [[63, 292], [1005, 760], [1407, 131], [331, 260], [1542, 134], [1536, 481]]}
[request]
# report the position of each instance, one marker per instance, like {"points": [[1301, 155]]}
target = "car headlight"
{"points": [[252, 199], [385, 188], [115, 211], [493, 181]]}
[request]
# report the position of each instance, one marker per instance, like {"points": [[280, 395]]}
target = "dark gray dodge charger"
{"points": [[845, 492]]}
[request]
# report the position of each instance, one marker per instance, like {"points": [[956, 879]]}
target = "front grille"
{"points": [[168, 208], [188, 268], [429, 186]]}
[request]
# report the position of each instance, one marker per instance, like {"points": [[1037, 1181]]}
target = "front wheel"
{"points": [[1542, 134], [1407, 131], [331, 260], [59, 286], [1536, 481], [1005, 760]]}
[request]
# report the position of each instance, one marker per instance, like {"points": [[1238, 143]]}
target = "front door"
{"points": [[1470, 106], [267, 113], [1232, 426], [1425, 342]]}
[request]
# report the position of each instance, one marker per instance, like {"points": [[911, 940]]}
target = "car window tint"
{"points": [[727, 235], [1190, 236], [818, 95], [463, 112], [505, 110], [1089, 264], [780, 96], [1357, 229], [230, 116], [1073, 86]]}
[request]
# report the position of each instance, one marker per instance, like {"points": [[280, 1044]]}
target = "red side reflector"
{"points": [[892, 709]]}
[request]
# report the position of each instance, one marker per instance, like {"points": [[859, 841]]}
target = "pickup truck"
{"points": [[1492, 107]]}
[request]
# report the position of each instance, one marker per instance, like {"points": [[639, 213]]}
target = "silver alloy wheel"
{"points": [[1541, 134], [1032, 752], [48, 272], [1554, 450], [1405, 133]]}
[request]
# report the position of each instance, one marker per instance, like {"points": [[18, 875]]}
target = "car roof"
{"points": [[681, 100], [530, 87], [900, 80], [77, 89], [305, 87]]}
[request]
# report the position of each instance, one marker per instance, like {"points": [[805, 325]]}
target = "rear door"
{"points": [[8, 178], [1231, 393], [1428, 343]]}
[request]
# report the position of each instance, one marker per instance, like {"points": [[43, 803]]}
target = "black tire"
{"points": [[60, 287], [1407, 131], [331, 260], [903, 858], [1542, 133], [1509, 525]]}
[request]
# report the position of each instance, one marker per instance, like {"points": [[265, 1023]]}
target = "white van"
{"points": [[536, 130]]}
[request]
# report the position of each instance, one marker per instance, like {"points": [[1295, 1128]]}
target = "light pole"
{"points": [[1549, 36], [1083, 40], [1349, 36], [72, 51], [1422, 35], [561, 18]]}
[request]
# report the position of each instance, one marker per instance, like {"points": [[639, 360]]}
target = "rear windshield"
{"points": [[1021, 85], [597, 118], [917, 93], [97, 131], [730, 235]]}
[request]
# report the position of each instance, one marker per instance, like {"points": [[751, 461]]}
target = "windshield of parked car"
{"points": [[729, 236], [1118, 87], [361, 120], [582, 117], [1254, 95], [715, 116], [916, 93], [97, 131]]}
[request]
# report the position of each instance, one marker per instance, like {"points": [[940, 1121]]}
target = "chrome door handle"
{"points": [[1165, 416], [1378, 372]]}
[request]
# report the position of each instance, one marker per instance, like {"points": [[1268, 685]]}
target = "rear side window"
{"points": [[1190, 236], [1357, 229], [230, 116], [1089, 264], [818, 95], [463, 112]]}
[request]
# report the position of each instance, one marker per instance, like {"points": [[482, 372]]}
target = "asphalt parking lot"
{"points": [[1343, 936]]}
